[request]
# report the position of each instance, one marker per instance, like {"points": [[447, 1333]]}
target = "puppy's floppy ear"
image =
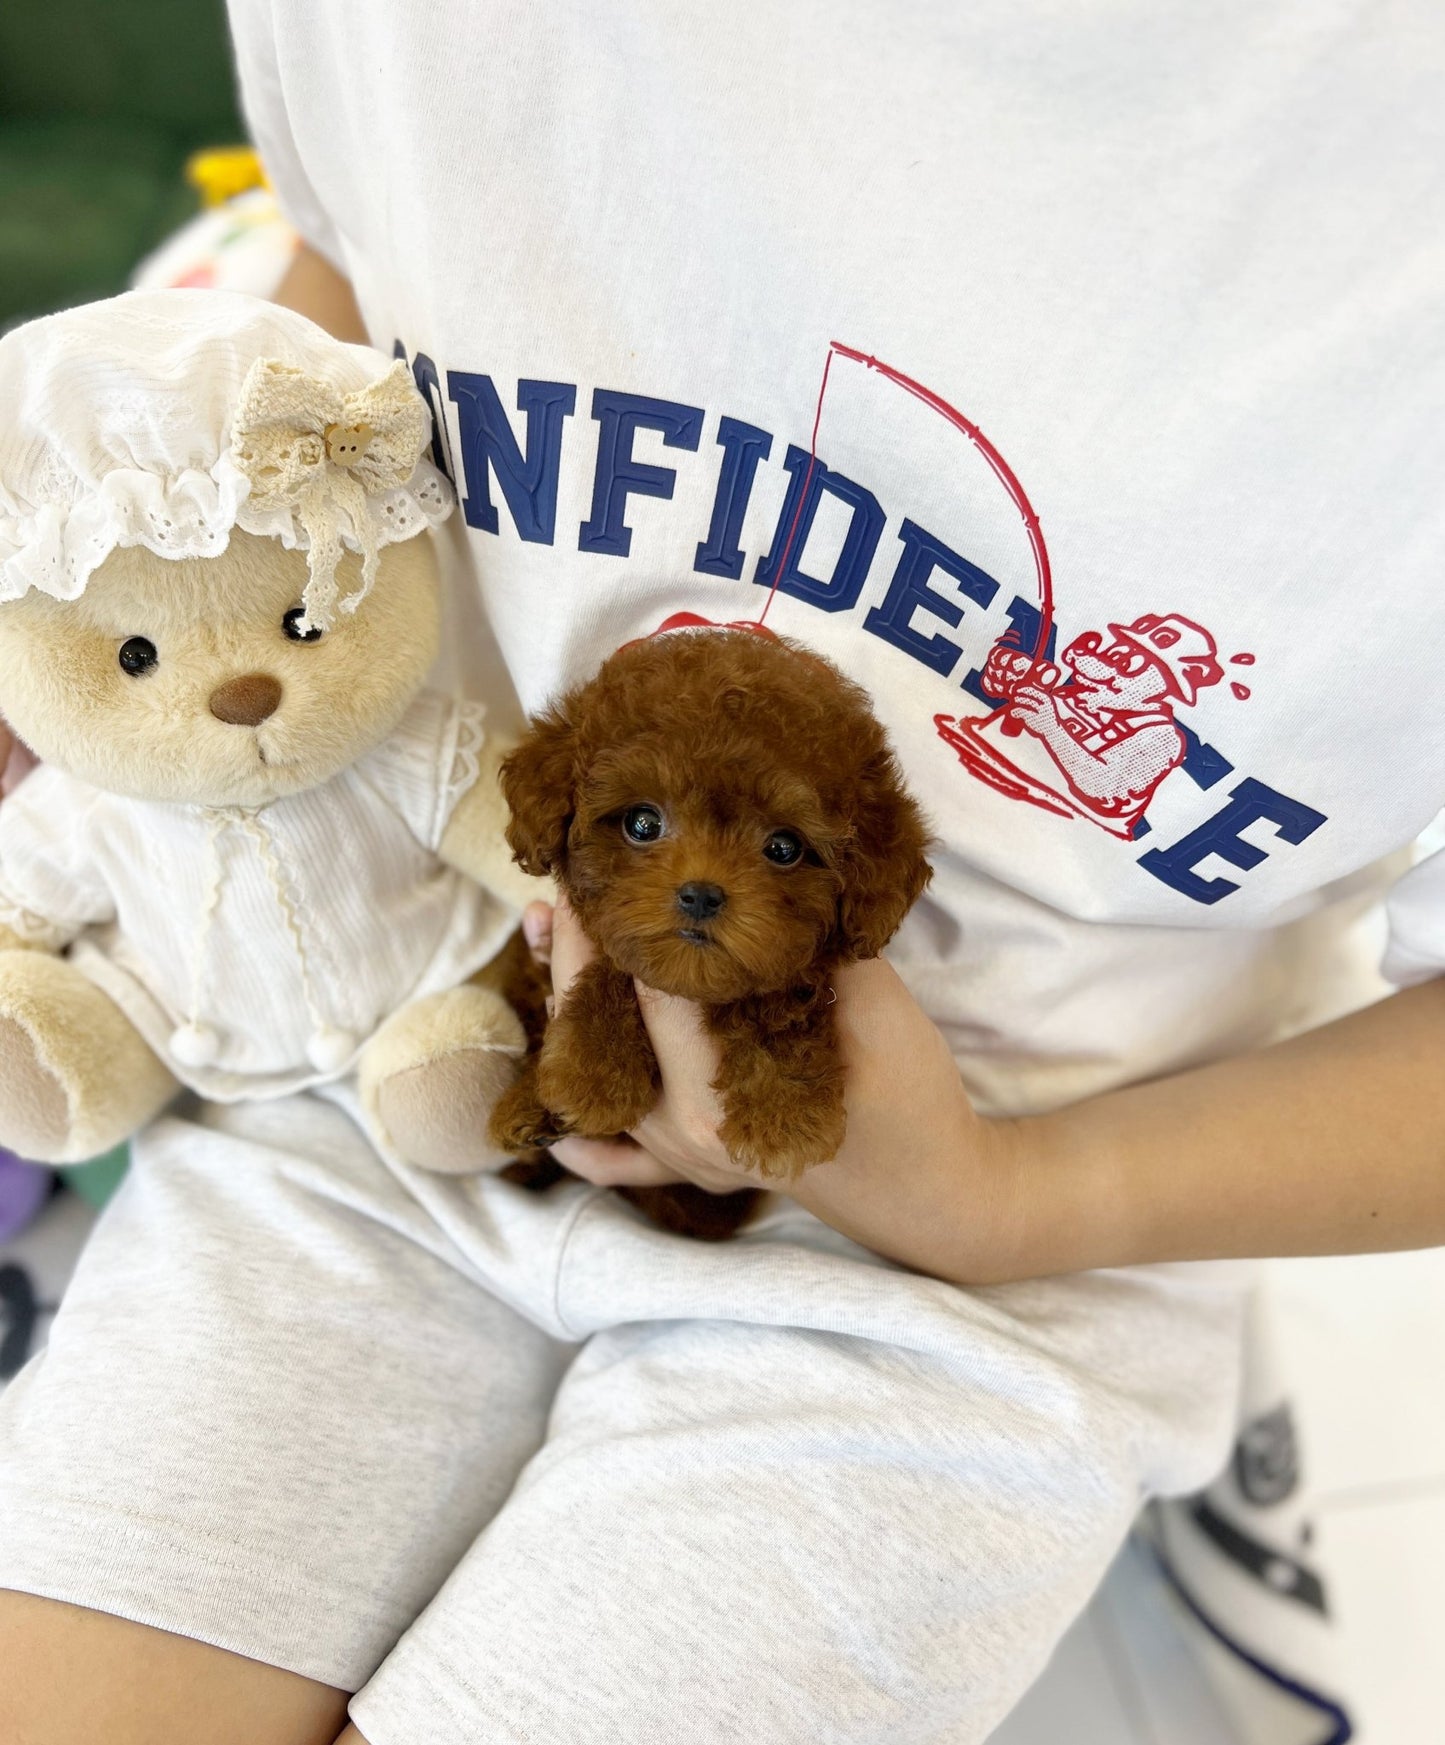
{"points": [[539, 781], [883, 866]]}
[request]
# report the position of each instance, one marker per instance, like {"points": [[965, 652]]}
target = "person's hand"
{"points": [[918, 1171]]}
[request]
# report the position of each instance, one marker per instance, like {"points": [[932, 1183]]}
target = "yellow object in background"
{"points": [[223, 172]]}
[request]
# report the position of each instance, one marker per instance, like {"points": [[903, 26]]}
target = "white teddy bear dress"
{"points": [[257, 951]]}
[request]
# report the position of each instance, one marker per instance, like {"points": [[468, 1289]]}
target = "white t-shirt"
{"points": [[1176, 272], [249, 928]]}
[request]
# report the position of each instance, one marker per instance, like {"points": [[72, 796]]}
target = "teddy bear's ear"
{"points": [[884, 867], [538, 779]]}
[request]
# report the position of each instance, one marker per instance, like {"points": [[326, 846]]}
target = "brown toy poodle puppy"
{"points": [[728, 822]]}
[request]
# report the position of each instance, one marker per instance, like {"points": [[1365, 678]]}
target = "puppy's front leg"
{"points": [[521, 1121], [781, 1081], [597, 1071]]}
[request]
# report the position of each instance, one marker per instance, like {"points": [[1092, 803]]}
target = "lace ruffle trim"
{"points": [[471, 736], [57, 544]]}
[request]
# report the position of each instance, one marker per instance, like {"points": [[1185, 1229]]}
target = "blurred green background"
{"points": [[101, 102]]}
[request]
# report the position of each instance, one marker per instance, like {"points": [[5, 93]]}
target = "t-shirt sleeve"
{"points": [[1415, 911], [50, 886], [264, 100], [431, 761]]}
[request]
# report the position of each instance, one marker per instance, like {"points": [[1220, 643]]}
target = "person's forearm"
{"points": [[314, 288], [1331, 1143]]}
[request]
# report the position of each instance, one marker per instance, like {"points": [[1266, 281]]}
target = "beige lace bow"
{"points": [[307, 448]]}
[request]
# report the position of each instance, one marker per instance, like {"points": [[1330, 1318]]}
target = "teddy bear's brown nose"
{"points": [[247, 701]]}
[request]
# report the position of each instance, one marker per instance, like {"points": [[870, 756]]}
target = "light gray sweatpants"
{"points": [[521, 1469]]}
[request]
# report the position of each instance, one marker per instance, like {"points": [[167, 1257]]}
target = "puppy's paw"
{"points": [[521, 1121], [596, 1067], [782, 1141], [600, 1098]]}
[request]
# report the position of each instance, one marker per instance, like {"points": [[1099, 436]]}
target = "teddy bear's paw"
{"points": [[434, 1072], [76, 1077], [34, 1109], [782, 1143], [436, 1114]]}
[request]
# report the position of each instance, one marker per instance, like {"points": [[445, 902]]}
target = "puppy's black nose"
{"points": [[700, 902]]}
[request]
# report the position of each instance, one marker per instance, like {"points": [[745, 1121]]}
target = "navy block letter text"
{"points": [[743, 446], [909, 592], [1249, 803], [807, 482], [529, 483], [618, 475]]}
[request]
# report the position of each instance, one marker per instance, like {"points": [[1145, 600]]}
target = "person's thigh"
{"points": [[872, 1527], [276, 1405], [72, 1675]]}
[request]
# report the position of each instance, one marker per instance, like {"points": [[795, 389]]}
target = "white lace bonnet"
{"points": [[166, 418]]}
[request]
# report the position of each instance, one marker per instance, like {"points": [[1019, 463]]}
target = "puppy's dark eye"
{"points": [[642, 824], [291, 624], [137, 656], [783, 848]]}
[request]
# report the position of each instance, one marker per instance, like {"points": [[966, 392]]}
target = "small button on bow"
{"points": [[346, 444]]}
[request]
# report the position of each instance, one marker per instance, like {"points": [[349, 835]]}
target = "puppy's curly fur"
{"points": [[729, 824]]}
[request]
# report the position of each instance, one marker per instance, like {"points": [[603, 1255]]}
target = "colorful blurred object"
{"points": [[243, 244], [24, 1189], [97, 1180], [220, 173]]}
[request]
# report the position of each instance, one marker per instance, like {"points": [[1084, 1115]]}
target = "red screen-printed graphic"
{"points": [[1089, 733]]}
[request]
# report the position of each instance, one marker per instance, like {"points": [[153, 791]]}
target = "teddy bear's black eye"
{"points": [[137, 656], [783, 848], [642, 824], [291, 624]]}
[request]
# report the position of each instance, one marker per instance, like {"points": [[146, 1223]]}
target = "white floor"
{"points": [[1124, 1675], [1361, 1344]]}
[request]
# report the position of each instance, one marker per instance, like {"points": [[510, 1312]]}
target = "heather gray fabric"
{"points": [[297, 1401]]}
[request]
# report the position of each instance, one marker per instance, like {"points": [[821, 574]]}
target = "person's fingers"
{"points": [[537, 930], [572, 950], [688, 1059], [613, 1163]]}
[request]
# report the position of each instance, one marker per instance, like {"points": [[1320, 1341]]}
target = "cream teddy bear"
{"points": [[259, 854]]}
